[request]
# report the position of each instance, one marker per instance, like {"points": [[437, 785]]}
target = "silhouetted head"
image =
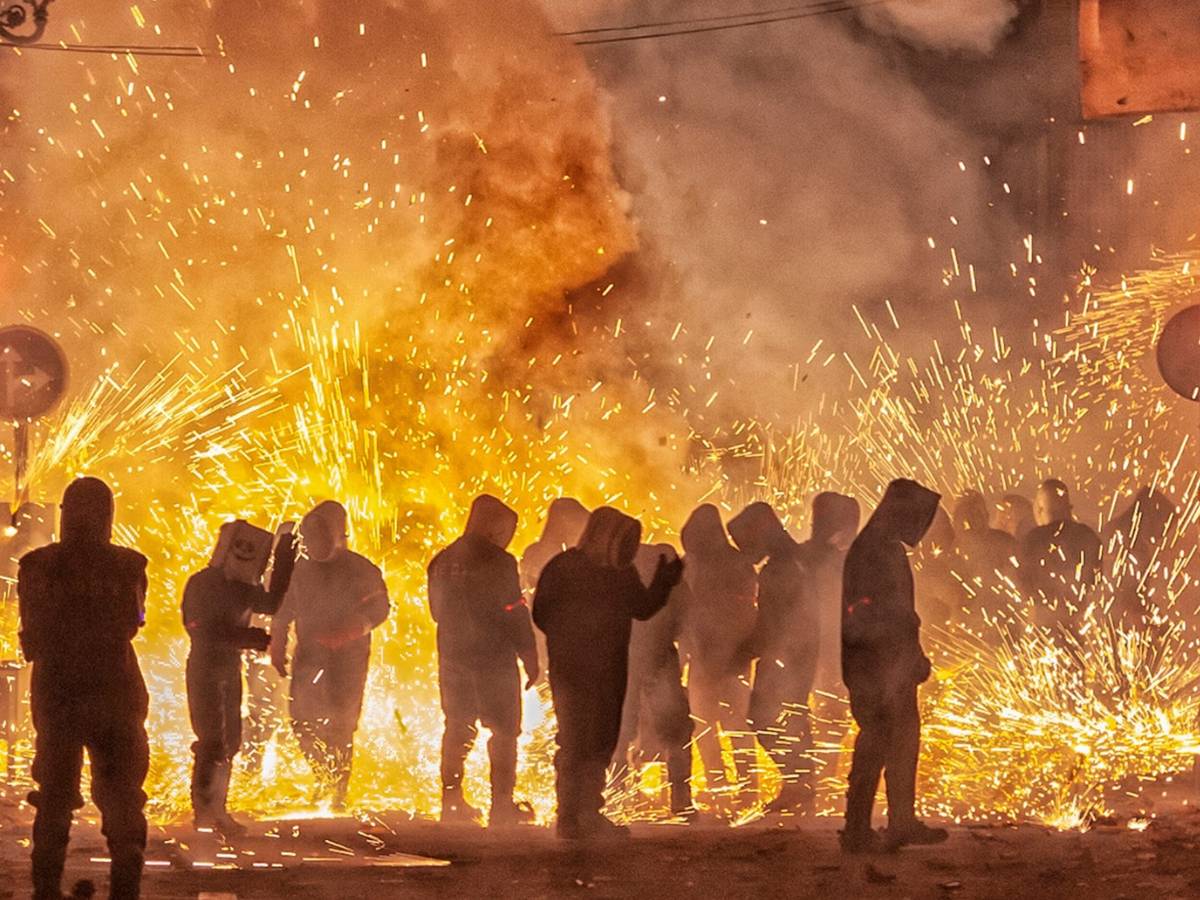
{"points": [[971, 512], [242, 551], [939, 537], [757, 531], [905, 512], [703, 532], [1015, 516], [1053, 503], [323, 531], [565, 521], [835, 519], [492, 520], [87, 512], [611, 538]]}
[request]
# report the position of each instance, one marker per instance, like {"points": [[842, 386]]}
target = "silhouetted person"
{"points": [[217, 604], [483, 628], [882, 664], [985, 561], [336, 599], [786, 642], [82, 601], [655, 720], [835, 520], [939, 592], [565, 520], [586, 601], [717, 626], [1134, 541], [1060, 558], [1015, 517]]}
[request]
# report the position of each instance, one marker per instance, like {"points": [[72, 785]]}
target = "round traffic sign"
{"points": [[1179, 353], [33, 372]]}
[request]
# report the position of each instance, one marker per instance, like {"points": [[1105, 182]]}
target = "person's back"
{"points": [[835, 519], [81, 604], [1060, 558], [473, 589]]}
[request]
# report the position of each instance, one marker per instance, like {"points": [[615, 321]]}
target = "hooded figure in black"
{"points": [[586, 601], [1135, 542], [656, 721], [786, 642], [717, 627], [1060, 558], [336, 599], [482, 630], [985, 561], [217, 604], [882, 664], [82, 601]]}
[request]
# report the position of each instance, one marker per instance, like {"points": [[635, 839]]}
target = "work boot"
{"points": [[602, 828], [793, 800], [507, 814], [457, 811], [859, 841], [914, 833], [84, 889]]}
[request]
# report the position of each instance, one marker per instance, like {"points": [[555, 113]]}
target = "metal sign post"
{"points": [[33, 379]]}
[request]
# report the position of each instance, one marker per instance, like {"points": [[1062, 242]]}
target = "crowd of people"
{"points": [[742, 638]]}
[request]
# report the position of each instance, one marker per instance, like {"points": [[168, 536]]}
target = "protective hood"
{"points": [[87, 512], [323, 531], [491, 520], [905, 512], [646, 560], [703, 534], [757, 531], [242, 552], [611, 538], [833, 514], [971, 512], [565, 521]]}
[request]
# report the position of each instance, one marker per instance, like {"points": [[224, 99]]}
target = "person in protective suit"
{"points": [[717, 626], [786, 643], [81, 602], [1060, 558], [586, 601], [217, 604], [985, 561], [882, 665], [1135, 541], [1014, 517], [656, 722], [483, 628], [835, 520], [565, 521], [335, 600]]}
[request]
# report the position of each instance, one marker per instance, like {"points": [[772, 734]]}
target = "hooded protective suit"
{"points": [[835, 520], [1133, 541], [1060, 558], [656, 721], [336, 598], [217, 604], [586, 601], [882, 659], [482, 629], [565, 521], [786, 642], [984, 559], [717, 628], [81, 604]]}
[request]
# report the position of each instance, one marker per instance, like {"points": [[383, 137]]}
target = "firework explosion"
{"points": [[332, 261]]}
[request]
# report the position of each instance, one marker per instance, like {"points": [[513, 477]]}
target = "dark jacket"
{"points": [[82, 601], [881, 646], [216, 613], [475, 599]]}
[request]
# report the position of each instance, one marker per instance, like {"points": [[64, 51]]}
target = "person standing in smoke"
{"points": [[717, 625], [81, 602], [1015, 517], [656, 721], [217, 604], [586, 601], [1060, 558], [336, 599], [882, 665], [786, 642], [985, 561], [483, 628]]}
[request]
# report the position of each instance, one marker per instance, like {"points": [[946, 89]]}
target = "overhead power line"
{"points": [[709, 24], [119, 49]]}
